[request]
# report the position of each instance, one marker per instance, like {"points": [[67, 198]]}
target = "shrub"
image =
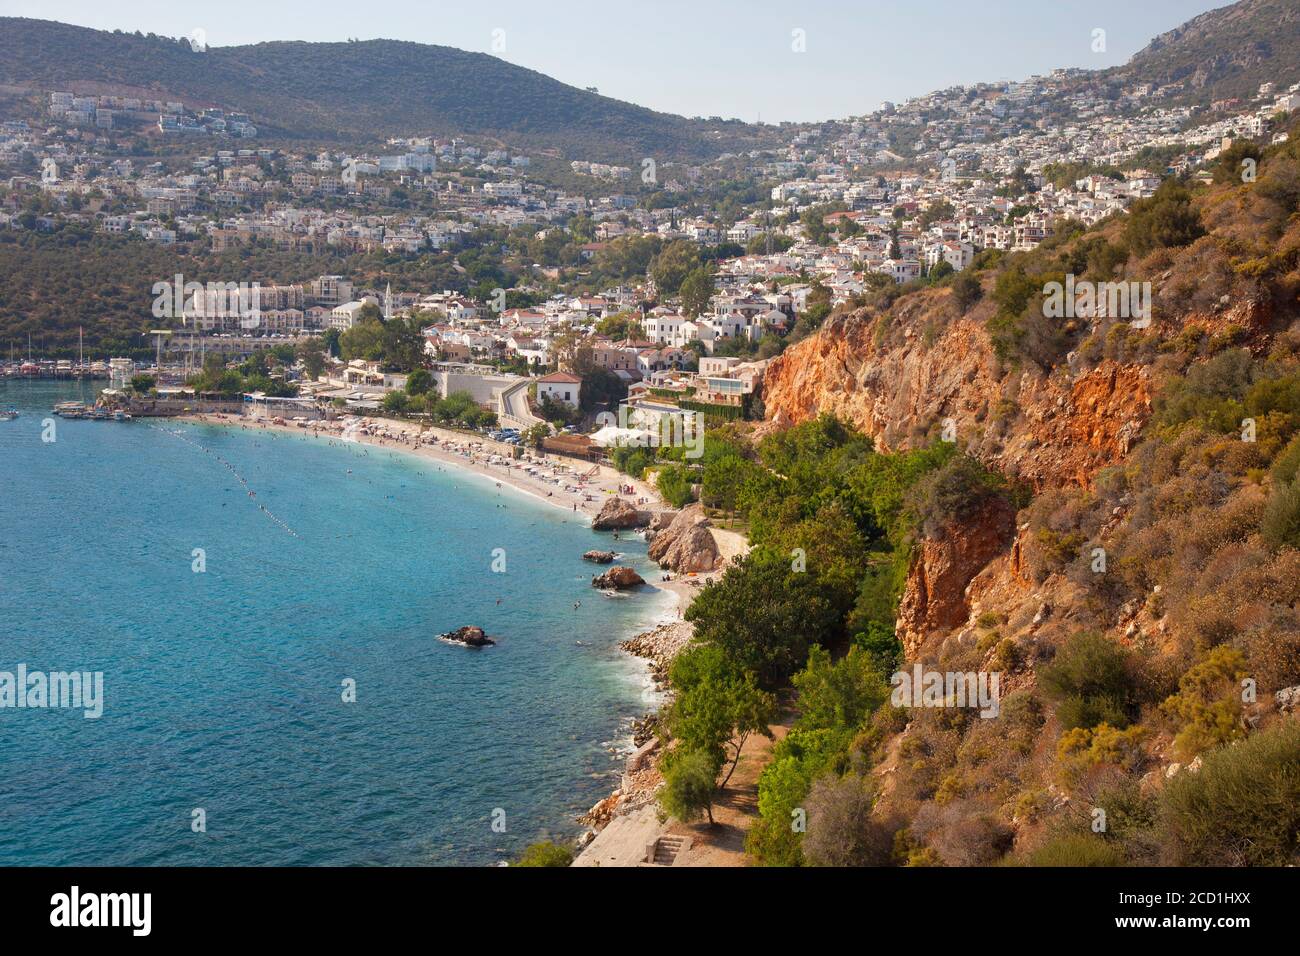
{"points": [[545, 853], [1242, 808], [1280, 526], [959, 486], [1076, 850], [962, 833], [841, 831], [1007, 656], [1208, 702], [1287, 464], [839, 694], [674, 483], [631, 460], [1092, 680], [1211, 393], [882, 646], [1167, 219], [1083, 749], [783, 788], [908, 852], [966, 291]]}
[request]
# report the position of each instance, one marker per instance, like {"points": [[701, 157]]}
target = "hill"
{"points": [[361, 91], [1135, 572], [1224, 53]]}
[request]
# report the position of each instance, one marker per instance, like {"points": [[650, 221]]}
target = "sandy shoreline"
{"points": [[473, 454]]}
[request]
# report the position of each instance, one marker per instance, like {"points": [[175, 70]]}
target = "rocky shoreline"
{"points": [[659, 646], [685, 545], [641, 777]]}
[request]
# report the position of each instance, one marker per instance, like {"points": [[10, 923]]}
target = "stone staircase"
{"points": [[664, 851]]}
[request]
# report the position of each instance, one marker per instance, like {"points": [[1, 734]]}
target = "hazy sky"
{"points": [[700, 58]]}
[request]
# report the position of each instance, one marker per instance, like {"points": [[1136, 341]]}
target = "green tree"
{"points": [[689, 777], [1229, 168], [537, 434], [674, 483], [673, 264], [403, 345], [311, 352], [717, 707], [365, 340], [396, 402], [764, 615], [966, 291], [419, 382], [696, 291], [1168, 218], [622, 325], [839, 694], [330, 341]]}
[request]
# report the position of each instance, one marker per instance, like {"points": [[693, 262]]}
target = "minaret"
{"points": [[388, 303]]}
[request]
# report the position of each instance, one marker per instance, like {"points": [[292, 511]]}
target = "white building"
{"points": [[559, 387], [344, 317]]}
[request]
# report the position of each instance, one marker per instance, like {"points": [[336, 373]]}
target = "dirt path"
{"points": [[735, 811]]}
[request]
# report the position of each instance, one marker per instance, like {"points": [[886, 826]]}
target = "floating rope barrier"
{"points": [[188, 439]]}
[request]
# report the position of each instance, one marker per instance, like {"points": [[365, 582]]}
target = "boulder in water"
{"points": [[617, 579], [467, 636]]}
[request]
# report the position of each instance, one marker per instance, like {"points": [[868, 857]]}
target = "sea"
{"points": [[264, 610]]}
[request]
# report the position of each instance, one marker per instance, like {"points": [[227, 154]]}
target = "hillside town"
{"points": [[903, 196]]}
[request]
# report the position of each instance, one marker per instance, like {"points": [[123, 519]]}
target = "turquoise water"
{"points": [[223, 689]]}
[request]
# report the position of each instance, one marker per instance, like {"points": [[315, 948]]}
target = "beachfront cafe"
{"points": [[258, 405]]}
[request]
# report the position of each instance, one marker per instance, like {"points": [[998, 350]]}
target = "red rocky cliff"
{"points": [[899, 385]]}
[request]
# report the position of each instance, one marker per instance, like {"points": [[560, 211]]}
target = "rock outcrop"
{"points": [[661, 521], [620, 578], [617, 514], [898, 385], [686, 545], [599, 557], [935, 597], [468, 636]]}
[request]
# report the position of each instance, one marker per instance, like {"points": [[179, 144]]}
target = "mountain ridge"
{"points": [[1225, 52], [363, 91]]}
